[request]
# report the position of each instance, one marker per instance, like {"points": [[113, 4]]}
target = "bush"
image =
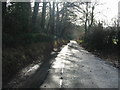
{"points": [[118, 37], [96, 38], [58, 43], [25, 38], [101, 38]]}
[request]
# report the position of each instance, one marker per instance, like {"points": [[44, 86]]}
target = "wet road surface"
{"points": [[75, 67]]}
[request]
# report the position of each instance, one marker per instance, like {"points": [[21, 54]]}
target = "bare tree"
{"points": [[87, 12], [3, 13], [35, 13], [52, 26], [43, 15]]}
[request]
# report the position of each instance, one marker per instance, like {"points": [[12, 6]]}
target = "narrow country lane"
{"points": [[75, 67]]}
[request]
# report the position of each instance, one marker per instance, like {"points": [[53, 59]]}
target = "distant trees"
{"points": [[96, 35], [23, 22], [50, 19], [65, 19], [101, 37], [54, 18], [87, 13]]}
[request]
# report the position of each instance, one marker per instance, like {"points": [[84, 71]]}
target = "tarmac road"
{"points": [[75, 67]]}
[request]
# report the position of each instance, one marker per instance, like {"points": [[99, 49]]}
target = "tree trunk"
{"points": [[53, 19], [3, 13], [57, 20], [92, 17], [3, 8], [86, 21], [43, 15], [35, 13]]}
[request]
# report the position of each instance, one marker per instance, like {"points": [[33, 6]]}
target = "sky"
{"points": [[108, 10]]}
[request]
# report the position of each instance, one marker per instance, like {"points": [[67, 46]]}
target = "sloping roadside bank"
{"points": [[34, 74], [17, 58]]}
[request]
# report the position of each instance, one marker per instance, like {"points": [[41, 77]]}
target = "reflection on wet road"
{"points": [[75, 67]]}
